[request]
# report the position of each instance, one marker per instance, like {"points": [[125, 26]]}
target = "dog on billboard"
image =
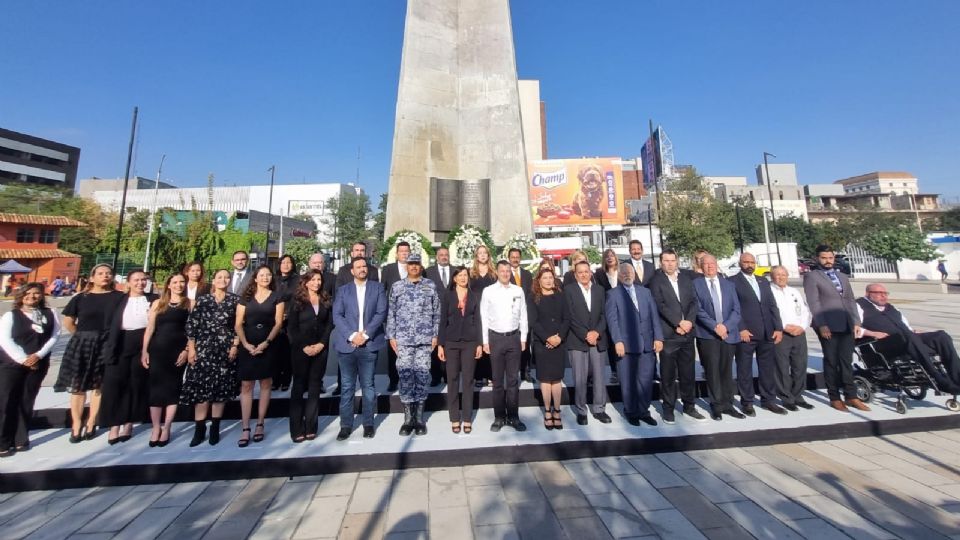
{"points": [[587, 201]]}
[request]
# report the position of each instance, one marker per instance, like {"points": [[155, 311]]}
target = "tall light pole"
{"points": [[773, 215], [266, 256], [153, 217]]}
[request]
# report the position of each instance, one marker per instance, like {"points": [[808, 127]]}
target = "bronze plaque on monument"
{"points": [[459, 202]]}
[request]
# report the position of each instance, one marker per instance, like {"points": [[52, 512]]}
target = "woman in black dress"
{"points": [[548, 326], [27, 335], [259, 320], [165, 355], [287, 281], [125, 381], [459, 346], [308, 325], [212, 345], [87, 317], [483, 273], [608, 274]]}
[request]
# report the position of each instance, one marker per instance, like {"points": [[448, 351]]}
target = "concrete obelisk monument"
{"points": [[458, 155]]}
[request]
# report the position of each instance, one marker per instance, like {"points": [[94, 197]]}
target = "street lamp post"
{"points": [[126, 183], [153, 217], [773, 215]]}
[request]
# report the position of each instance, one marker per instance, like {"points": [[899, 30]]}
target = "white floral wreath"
{"points": [[465, 244], [528, 249]]}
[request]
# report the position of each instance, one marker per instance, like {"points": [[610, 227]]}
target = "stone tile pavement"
{"points": [[900, 486]]}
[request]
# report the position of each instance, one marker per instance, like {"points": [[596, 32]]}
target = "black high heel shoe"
{"points": [[76, 437], [90, 434], [244, 441], [162, 443], [258, 437]]}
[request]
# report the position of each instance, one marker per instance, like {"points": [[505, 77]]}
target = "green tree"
{"points": [[347, 220], [799, 231], [301, 249], [593, 254], [691, 218], [379, 222], [950, 220], [895, 242]]}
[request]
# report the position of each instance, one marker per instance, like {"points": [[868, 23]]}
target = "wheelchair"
{"points": [[885, 364]]}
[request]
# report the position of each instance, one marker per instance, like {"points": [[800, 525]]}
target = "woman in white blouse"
{"points": [[124, 390], [28, 334]]}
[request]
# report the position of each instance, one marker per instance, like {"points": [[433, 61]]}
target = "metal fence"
{"points": [[862, 262]]}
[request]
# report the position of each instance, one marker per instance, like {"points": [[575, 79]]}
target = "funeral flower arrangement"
{"points": [[418, 244], [464, 240]]}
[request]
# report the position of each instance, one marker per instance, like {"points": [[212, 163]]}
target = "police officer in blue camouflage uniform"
{"points": [[413, 323]]}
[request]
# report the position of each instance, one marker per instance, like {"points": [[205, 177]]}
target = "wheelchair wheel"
{"points": [[901, 406], [864, 389], [953, 405], [915, 392]]}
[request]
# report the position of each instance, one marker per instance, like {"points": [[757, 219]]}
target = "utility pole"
{"points": [[266, 256], [126, 182], [773, 215], [153, 217]]}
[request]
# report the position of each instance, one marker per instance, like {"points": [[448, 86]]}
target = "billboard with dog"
{"points": [[576, 191]]}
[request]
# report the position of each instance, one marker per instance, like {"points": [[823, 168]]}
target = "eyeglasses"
{"points": [[884, 293]]}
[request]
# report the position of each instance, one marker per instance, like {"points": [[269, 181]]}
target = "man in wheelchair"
{"points": [[881, 319]]}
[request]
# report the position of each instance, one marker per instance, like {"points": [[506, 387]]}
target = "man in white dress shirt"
{"points": [[791, 352], [503, 313]]}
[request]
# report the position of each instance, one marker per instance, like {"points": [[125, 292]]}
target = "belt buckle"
{"points": [[258, 326]]}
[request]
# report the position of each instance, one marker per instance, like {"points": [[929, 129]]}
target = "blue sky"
{"points": [[838, 87]]}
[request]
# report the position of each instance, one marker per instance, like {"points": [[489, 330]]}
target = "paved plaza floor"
{"points": [[900, 486]]}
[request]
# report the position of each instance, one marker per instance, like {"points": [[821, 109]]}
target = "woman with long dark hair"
{"points": [[460, 346], [309, 324], [28, 334], [258, 323], [125, 381], [608, 274], [87, 317], [287, 281], [196, 280], [211, 378], [165, 355], [548, 331]]}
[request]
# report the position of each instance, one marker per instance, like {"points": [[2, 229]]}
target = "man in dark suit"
{"points": [[393, 273], [359, 313], [636, 336], [676, 301], [836, 320], [586, 342], [760, 330], [717, 331], [318, 262], [241, 275], [642, 267], [439, 274], [344, 275], [522, 278]]}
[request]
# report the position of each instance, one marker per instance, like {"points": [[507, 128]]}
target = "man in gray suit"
{"points": [[241, 275], [837, 322]]}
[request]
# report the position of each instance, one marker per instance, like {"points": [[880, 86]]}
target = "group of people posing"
{"points": [[203, 344]]}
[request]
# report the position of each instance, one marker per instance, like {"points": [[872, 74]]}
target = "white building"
{"points": [[897, 183], [781, 174], [288, 199]]}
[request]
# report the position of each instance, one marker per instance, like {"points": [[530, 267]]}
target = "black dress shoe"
{"points": [[582, 419], [693, 413], [804, 405], [603, 417], [648, 420], [76, 437], [90, 434], [774, 408], [633, 420], [497, 424], [516, 424], [124, 438], [8, 452], [791, 407], [392, 387], [748, 409], [715, 414], [344, 434], [734, 413], [668, 417], [369, 432]]}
